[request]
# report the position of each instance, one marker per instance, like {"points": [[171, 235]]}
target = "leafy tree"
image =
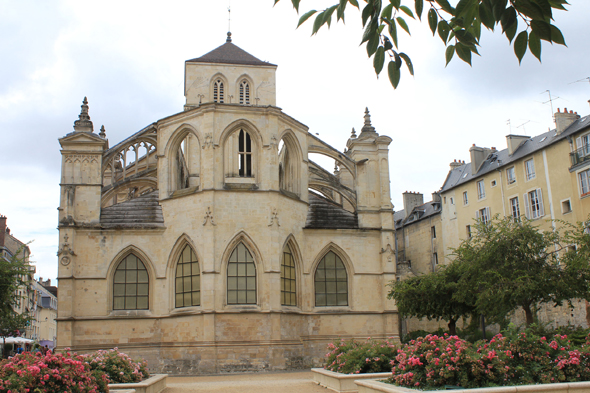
{"points": [[458, 27], [433, 296], [509, 264], [12, 274]]}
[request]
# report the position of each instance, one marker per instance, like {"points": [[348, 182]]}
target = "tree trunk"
{"points": [[528, 313], [452, 327]]}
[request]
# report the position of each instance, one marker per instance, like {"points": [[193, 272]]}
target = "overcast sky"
{"points": [[128, 58]]}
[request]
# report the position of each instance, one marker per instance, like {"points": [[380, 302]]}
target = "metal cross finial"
{"points": [[229, 18]]}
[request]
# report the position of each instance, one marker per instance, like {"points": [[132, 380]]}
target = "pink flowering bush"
{"points": [[50, 373], [118, 367], [353, 357]]}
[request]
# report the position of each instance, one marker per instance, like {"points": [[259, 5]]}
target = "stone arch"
{"points": [[221, 96], [290, 160], [242, 99], [337, 250], [126, 251], [183, 241], [183, 152], [242, 238], [138, 187], [232, 157], [291, 242]]}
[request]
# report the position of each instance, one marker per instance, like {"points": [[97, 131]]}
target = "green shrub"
{"points": [[353, 357], [119, 367]]}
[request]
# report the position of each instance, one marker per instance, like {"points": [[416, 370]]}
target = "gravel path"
{"points": [[288, 382]]}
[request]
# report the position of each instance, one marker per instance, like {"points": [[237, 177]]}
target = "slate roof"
{"points": [[229, 53], [325, 214], [499, 159], [419, 213], [141, 212]]}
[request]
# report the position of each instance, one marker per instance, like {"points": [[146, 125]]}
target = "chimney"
{"points": [[411, 200], [2, 230], [436, 197], [456, 164], [514, 142], [478, 156], [564, 119]]}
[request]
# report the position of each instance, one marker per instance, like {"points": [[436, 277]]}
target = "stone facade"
{"points": [[210, 242]]}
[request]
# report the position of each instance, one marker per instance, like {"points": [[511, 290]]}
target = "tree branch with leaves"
{"points": [[459, 27]]}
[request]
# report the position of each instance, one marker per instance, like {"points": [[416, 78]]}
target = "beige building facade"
{"points": [[210, 242]]}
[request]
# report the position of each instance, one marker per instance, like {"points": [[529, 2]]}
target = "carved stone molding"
{"points": [[274, 217], [209, 217], [71, 158], [390, 251], [208, 140], [65, 251]]}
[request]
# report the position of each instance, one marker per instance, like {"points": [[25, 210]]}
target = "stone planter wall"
{"points": [[154, 384], [342, 383], [572, 387]]}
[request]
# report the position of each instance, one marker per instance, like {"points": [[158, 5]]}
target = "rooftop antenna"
{"points": [[509, 126], [581, 80], [228, 21], [522, 125], [550, 101]]}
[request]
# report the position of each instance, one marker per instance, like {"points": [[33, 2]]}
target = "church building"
{"points": [[210, 242]]}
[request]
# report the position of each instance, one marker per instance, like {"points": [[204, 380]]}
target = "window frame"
{"points": [[125, 295], [219, 90], [529, 170], [510, 175], [237, 275], [481, 189], [292, 279], [325, 281], [465, 198], [569, 202], [484, 215], [515, 208], [533, 213], [580, 175], [244, 92], [192, 274]]}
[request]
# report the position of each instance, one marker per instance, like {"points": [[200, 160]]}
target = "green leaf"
{"points": [[432, 20], [556, 36], [511, 32], [408, 63], [529, 9], [366, 13], [419, 6], [387, 43], [465, 37], [407, 11], [387, 10], [443, 31], [541, 29], [354, 3], [394, 74], [295, 5], [329, 12], [393, 32], [461, 7], [372, 45], [444, 4], [341, 8], [370, 31], [485, 15], [508, 19], [379, 60], [535, 45], [318, 22], [449, 54], [498, 8], [305, 17], [463, 52], [402, 23], [395, 3], [520, 45], [398, 60]]}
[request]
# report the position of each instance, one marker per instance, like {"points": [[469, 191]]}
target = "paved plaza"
{"points": [[286, 382]]}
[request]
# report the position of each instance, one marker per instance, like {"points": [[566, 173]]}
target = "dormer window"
{"points": [[244, 92], [218, 91]]}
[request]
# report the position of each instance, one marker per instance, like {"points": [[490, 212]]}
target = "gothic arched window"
{"points": [[241, 277], [244, 92], [131, 285], [218, 91], [188, 279], [331, 282], [288, 280]]}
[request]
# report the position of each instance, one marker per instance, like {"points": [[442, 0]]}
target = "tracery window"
{"points": [[244, 154], [244, 92], [131, 285], [188, 279], [288, 280], [241, 277], [331, 282], [218, 91]]}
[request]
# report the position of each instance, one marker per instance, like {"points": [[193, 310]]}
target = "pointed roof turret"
{"points": [[83, 124], [368, 129], [229, 53]]}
